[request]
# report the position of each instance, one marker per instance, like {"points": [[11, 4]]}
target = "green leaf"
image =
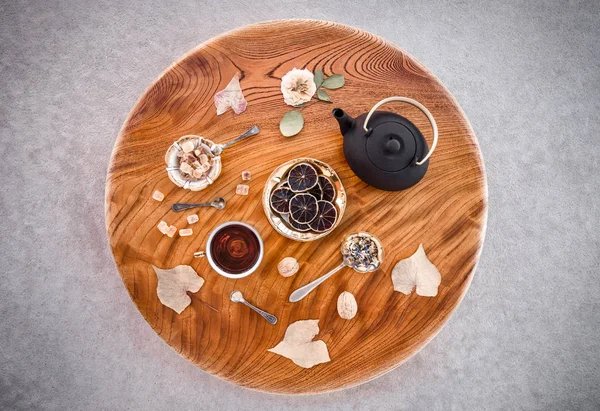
{"points": [[334, 81], [323, 96], [291, 123], [319, 78]]}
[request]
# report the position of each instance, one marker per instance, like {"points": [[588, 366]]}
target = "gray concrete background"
{"points": [[527, 75]]}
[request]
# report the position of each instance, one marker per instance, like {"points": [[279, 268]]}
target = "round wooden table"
{"points": [[446, 211]]}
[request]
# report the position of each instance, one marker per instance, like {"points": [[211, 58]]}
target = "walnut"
{"points": [[346, 306], [288, 266]]}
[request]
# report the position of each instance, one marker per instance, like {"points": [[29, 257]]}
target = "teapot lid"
{"points": [[393, 142]]}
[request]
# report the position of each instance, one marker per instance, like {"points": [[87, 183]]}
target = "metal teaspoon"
{"points": [[237, 297], [218, 203], [217, 149]]}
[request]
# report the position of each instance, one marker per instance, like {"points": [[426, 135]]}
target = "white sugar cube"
{"points": [[193, 218], [242, 189], [188, 146], [184, 232], [205, 167], [158, 196], [197, 173], [171, 231], [163, 227], [203, 158], [246, 175]]}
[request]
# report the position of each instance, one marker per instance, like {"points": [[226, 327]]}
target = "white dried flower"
{"points": [[298, 86]]}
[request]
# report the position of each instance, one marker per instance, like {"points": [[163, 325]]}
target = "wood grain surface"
{"points": [[446, 211]]}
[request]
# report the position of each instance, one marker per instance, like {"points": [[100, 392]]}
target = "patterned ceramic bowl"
{"points": [[279, 221], [178, 178]]}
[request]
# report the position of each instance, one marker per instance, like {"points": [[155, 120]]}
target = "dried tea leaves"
{"points": [[231, 96], [173, 284], [416, 271], [298, 344]]}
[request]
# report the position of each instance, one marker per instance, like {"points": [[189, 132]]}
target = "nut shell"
{"points": [[288, 266], [346, 306]]}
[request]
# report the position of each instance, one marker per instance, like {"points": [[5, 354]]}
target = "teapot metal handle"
{"points": [[417, 105]]}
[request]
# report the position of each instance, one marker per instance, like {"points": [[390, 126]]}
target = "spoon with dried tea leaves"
{"points": [[237, 297], [218, 203], [362, 252]]}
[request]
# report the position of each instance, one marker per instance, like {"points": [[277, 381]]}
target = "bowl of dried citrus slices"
{"points": [[304, 199]]}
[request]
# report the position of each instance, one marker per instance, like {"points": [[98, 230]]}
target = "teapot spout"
{"points": [[346, 122]]}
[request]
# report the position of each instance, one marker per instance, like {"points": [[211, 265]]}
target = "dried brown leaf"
{"points": [[416, 271], [298, 344], [173, 285]]}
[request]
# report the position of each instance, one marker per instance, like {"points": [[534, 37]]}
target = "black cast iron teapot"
{"points": [[384, 149]]}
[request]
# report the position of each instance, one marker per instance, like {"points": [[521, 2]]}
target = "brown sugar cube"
{"points": [[186, 168], [158, 196], [242, 189], [184, 232], [171, 231], [187, 147], [196, 164], [163, 227], [193, 218], [246, 175]]}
